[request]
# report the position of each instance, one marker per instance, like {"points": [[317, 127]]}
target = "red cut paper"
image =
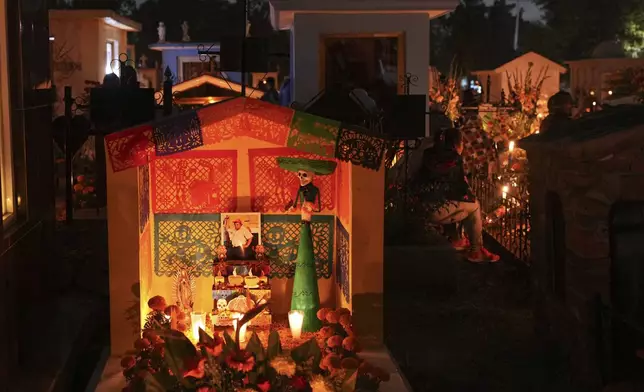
{"points": [[272, 187], [195, 182], [267, 122], [130, 148], [222, 121]]}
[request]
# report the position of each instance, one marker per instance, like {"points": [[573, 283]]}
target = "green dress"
{"points": [[306, 296]]}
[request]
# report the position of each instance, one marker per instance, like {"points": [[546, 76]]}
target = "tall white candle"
{"points": [[295, 321], [198, 320]]}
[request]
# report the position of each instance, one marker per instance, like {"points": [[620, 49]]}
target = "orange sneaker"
{"points": [[461, 244], [483, 256]]}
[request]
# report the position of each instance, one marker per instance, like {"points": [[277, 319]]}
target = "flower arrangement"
{"points": [[525, 97], [165, 360], [84, 192], [445, 94]]}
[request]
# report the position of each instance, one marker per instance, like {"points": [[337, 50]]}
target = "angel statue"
{"points": [[306, 296]]}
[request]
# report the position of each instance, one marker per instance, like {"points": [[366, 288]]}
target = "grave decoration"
{"points": [[166, 360], [244, 117], [218, 197], [306, 297]]}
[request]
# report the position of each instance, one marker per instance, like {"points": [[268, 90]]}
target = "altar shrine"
{"points": [[183, 191]]}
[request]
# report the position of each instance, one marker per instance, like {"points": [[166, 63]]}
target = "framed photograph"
{"points": [[240, 233]]}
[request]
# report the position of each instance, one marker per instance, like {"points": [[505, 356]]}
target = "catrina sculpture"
{"points": [[306, 296]]}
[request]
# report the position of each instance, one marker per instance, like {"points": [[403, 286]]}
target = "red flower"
{"points": [[128, 362], [240, 360], [264, 385], [299, 383]]}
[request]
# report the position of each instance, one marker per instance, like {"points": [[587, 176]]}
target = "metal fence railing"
{"points": [[507, 218]]}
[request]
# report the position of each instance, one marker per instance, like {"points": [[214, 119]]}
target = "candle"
{"points": [[242, 331], [234, 279], [511, 146], [505, 191], [198, 320], [219, 279], [295, 321]]}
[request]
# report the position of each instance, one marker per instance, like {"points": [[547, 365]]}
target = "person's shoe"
{"points": [[461, 244], [482, 256]]}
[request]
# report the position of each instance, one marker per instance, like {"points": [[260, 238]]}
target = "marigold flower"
{"points": [[240, 360], [345, 320], [322, 313], [78, 187], [334, 341], [330, 362], [157, 303], [284, 366], [342, 311], [350, 363], [326, 332], [332, 317], [349, 343], [319, 384], [142, 344], [80, 178], [128, 362]]}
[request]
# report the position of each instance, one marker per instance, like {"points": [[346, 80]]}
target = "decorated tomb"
{"points": [[200, 212]]}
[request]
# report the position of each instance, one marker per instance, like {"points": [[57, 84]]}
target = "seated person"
{"points": [[447, 196], [559, 113], [239, 241]]}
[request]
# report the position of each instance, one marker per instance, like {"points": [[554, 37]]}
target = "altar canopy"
{"points": [[249, 117]]}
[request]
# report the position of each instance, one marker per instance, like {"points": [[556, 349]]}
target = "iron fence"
{"points": [[507, 215]]}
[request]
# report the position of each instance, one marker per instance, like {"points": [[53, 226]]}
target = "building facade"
{"points": [[27, 268]]}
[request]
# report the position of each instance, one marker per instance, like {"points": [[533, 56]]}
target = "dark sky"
{"points": [[531, 10]]}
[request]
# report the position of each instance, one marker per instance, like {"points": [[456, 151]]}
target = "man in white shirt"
{"points": [[240, 238]]}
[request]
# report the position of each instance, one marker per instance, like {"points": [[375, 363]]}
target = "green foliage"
{"points": [[306, 351], [274, 345]]}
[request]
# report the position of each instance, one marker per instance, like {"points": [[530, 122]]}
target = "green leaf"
{"points": [[349, 383], [230, 343], [159, 382], [307, 350], [251, 314], [177, 348], [254, 346], [274, 345]]}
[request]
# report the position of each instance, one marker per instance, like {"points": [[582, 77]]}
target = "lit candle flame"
{"points": [[250, 272], [511, 146], [235, 271]]}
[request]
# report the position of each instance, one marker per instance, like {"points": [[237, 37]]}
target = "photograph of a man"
{"points": [[238, 239]]}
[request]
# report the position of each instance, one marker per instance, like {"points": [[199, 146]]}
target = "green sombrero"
{"points": [[318, 166]]}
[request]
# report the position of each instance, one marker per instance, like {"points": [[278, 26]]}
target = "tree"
{"points": [[578, 26]]}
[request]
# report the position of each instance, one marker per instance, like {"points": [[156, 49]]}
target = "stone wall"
{"points": [[589, 179]]}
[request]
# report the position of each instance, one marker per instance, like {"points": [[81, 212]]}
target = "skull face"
{"points": [[305, 177], [221, 305]]}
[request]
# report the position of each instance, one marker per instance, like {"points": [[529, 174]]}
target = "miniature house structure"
{"points": [[587, 206], [171, 208], [85, 45], [166, 197], [519, 66]]}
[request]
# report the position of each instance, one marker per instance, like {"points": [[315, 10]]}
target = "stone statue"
{"points": [[161, 31], [184, 29]]}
